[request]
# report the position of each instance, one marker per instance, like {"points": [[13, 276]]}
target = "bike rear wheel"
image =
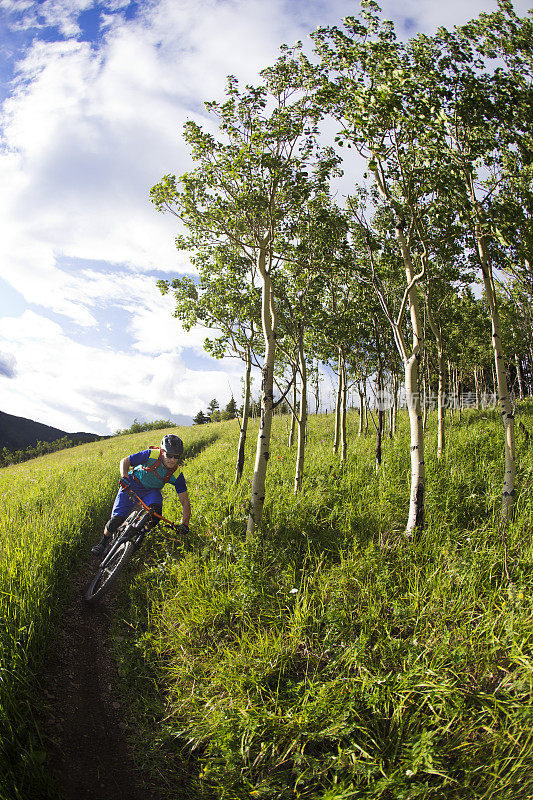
{"points": [[108, 572]]}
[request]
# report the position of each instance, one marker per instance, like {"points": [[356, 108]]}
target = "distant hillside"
{"points": [[17, 433]]}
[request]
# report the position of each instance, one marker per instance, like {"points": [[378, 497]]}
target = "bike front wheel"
{"points": [[109, 570]]}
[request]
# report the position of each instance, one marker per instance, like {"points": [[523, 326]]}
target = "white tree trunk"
{"points": [[394, 410], [302, 417], [441, 408], [508, 490], [425, 390], [262, 454], [519, 376], [338, 402], [344, 402], [411, 366], [418, 470], [450, 391], [317, 389], [293, 414], [380, 397], [244, 422]]}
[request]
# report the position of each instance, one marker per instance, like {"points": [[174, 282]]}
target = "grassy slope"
{"points": [[328, 658], [52, 508]]}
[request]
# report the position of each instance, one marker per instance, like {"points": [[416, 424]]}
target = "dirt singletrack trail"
{"points": [[87, 751]]}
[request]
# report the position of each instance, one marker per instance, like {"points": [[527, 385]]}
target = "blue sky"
{"points": [[93, 96]]}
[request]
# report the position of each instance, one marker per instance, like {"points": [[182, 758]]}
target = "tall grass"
{"points": [[329, 657], [51, 510]]}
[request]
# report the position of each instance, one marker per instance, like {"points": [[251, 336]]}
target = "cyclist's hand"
{"points": [[181, 528], [124, 483]]}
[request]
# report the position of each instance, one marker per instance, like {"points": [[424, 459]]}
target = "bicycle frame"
{"points": [[132, 532], [125, 542], [133, 527], [150, 511]]}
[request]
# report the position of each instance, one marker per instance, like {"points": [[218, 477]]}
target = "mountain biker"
{"points": [[146, 473]]}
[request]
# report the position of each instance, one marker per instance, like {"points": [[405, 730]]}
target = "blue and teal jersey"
{"points": [[154, 480]]}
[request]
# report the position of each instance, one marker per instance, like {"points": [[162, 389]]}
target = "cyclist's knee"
{"points": [[114, 523]]}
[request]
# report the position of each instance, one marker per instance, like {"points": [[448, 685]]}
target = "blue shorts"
{"points": [[125, 503]]}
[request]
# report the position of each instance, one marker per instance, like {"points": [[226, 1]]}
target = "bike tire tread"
{"points": [[95, 590]]}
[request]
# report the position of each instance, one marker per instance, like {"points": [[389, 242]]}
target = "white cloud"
{"points": [[155, 330], [72, 386], [87, 131], [81, 168], [150, 320]]}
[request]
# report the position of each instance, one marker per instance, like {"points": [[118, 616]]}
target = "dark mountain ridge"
{"points": [[17, 433]]}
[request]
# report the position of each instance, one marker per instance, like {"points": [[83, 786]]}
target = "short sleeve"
{"points": [[139, 458], [180, 483]]}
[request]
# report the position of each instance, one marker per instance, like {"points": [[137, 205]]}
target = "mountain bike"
{"points": [[124, 543]]}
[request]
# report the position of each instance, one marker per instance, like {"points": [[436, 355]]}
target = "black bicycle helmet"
{"points": [[172, 445]]}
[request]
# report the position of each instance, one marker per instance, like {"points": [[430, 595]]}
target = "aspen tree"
{"points": [[338, 400], [316, 384], [361, 408], [487, 114], [512, 216], [302, 281], [342, 404], [245, 191], [437, 296], [243, 425], [379, 387], [302, 416], [337, 334], [411, 360], [292, 430], [369, 88], [390, 102]]}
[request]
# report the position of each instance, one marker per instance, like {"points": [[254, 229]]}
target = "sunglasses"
{"points": [[167, 455]]}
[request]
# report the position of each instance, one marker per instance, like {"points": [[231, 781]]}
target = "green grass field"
{"points": [[326, 658], [52, 509]]}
